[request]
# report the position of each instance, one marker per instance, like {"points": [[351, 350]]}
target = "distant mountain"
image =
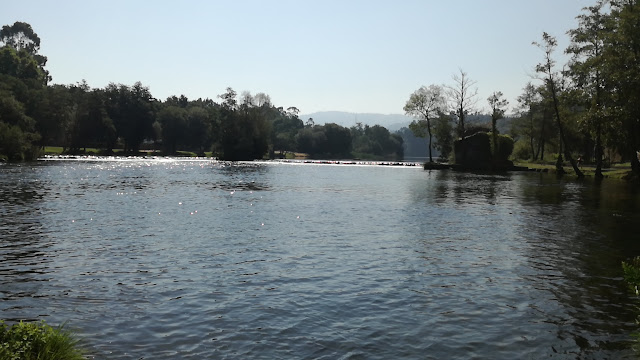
{"points": [[392, 122]]}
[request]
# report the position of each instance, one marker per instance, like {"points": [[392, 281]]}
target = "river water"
{"points": [[198, 259]]}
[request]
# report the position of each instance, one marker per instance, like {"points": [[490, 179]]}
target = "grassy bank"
{"points": [[615, 171], [38, 341]]}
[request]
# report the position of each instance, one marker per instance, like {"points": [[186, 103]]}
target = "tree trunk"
{"points": [[533, 150], [567, 153], [494, 137], [430, 138], [542, 140], [559, 160], [635, 144], [461, 122], [599, 151], [531, 131]]}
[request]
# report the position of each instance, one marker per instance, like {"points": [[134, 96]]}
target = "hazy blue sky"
{"points": [[364, 56]]}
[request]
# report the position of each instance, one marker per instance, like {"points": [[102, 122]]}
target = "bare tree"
{"points": [[246, 98], [463, 97], [261, 99]]}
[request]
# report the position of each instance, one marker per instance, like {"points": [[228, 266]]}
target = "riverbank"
{"points": [[615, 171], [59, 151]]}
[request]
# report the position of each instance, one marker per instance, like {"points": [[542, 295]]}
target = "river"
{"points": [[198, 259]]}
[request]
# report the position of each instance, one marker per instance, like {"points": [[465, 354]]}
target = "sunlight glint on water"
{"points": [[165, 258]]}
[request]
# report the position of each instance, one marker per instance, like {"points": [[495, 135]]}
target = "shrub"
{"points": [[522, 151], [15, 144], [31, 341], [505, 146], [631, 271]]}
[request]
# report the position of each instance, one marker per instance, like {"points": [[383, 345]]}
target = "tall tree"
{"points": [[622, 54], [229, 99], [261, 99], [132, 111], [587, 71], [527, 102], [443, 131], [424, 105], [21, 37], [199, 128], [173, 120], [546, 68], [498, 107], [463, 96], [244, 129], [22, 80]]}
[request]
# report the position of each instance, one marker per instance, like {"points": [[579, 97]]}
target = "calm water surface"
{"points": [[172, 259]]}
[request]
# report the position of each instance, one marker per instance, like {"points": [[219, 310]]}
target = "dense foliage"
{"points": [[504, 147], [34, 113], [596, 99], [37, 341], [589, 111], [631, 272], [376, 142]]}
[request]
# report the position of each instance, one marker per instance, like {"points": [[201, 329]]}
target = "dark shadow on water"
{"points": [[24, 250], [240, 176], [573, 236], [579, 234]]}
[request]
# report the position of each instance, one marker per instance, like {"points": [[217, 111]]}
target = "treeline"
{"points": [[586, 110], [591, 109], [35, 113]]}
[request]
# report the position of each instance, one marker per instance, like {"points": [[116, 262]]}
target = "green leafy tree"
{"points": [[621, 55], [132, 112], [244, 129], [285, 125], [443, 131], [173, 120], [548, 45], [199, 128], [20, 80], [529, 120], [21, 65], [88, 123], [21, 37], [587, 68], [338, 140], [424, 104], [17, 134], [498, 107], [328, 140]]}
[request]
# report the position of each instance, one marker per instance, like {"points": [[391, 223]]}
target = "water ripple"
{"points": [[164, 258]]}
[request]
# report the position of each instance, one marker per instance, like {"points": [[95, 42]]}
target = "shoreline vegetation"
{"points": [[585, 115], [38, 341], [618, 171], [613, 171]]}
